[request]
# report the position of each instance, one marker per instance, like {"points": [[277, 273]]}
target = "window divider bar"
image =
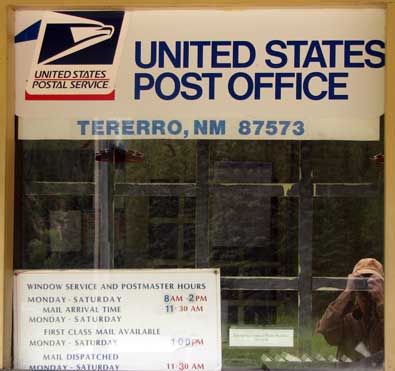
{"points": [[104, 212], [305, 313], [202, 205], [260, 283], [357, 190]]}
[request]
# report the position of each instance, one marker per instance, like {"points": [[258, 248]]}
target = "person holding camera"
{"points": [[354, 322]]}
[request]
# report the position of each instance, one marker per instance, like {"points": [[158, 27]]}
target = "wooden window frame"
{"points": [[7, 141]]}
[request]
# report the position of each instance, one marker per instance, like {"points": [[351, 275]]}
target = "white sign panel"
{"points": [[260, 337], [117, 320], [262, 74]]}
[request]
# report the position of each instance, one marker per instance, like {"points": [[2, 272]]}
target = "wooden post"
{"points": [[389, 190], [7, 149]]}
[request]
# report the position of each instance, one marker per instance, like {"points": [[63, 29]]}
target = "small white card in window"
{"points": [[261, 337]]}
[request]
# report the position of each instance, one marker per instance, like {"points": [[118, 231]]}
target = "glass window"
{"points": [[280, 220], [258, 158]]}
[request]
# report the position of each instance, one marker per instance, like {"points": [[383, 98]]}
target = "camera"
{"points": [[361, 282]]}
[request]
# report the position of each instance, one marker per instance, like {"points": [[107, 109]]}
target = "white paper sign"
{"points": [[262, 74], [117, 320], [260, 337]]}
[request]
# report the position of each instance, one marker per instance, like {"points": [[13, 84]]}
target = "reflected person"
{"points": [[354, 322]]}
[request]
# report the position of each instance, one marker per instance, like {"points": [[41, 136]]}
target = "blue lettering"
{"points": [[297, 44], [335, 85], [185, 54], [112, 127], [349, 53], [259, 84], [306, 87], [211, 83], [215, 53], [200, 127], [236, 54], [164, 50], [83, 124], [314, 48], [197, 88], [231, 86], [143, 81], [158, 86], [375, 53], [200, 45], [142, 126], [280, 84], [174, 127], [275, 53], [158, 126], [217, 128], [127, 127], [97, 127], [298, 86], [138, 53], [332, 50]]}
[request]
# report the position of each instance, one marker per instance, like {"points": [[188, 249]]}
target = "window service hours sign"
{"points": [[117, 320], [200, 74]]}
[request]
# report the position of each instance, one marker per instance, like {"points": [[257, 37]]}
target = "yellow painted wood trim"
{"points": [[7, 140], [233, 4], [389, 252], [6, 184]]}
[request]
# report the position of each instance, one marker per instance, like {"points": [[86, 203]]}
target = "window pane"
{"points": [[259, 311], [54, 161], [256, 210], [255, 161], [346, 230], [56, 233], [163, 161], [155, 232], [253, 235]]}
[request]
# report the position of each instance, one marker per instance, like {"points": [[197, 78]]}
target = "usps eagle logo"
{"points": [[76, 56]]}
